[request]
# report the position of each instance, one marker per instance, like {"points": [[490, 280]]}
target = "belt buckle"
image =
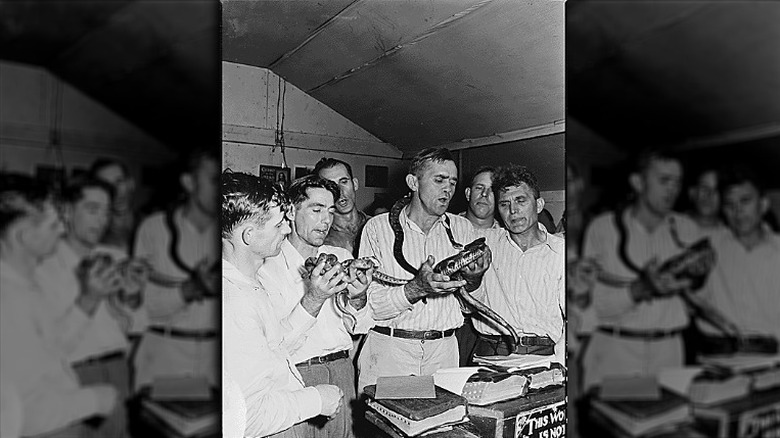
{"points": [[520, 343], [430, 335], [322, 359]]}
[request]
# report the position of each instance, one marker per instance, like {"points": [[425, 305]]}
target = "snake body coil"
{"points": [[450, 267]]}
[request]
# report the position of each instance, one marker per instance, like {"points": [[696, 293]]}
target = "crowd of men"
{"points": [[294, 365], [98, 305], [630, 317]]}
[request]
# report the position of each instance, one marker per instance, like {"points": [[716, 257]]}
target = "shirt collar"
{"points": [[548, 241], [10, 274], [231, 273], [403, 217]]}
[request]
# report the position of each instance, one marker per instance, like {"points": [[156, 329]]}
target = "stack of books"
{"points": [[413, 416], [640, 417], [185, 418]]}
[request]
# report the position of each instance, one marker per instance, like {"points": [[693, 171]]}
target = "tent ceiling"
{"points": [[690, 74], [153, 62], [414, 74]]}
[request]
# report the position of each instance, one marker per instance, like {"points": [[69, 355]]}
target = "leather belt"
{"points": [[343, 354], [529, 341], [640, 334], [101, 358], [413, 334], [184, 334]]}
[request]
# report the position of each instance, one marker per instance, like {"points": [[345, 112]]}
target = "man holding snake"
{"points": [[324, 356], [415, 322]]}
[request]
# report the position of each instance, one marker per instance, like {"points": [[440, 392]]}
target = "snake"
{"points": [[450, 267]]}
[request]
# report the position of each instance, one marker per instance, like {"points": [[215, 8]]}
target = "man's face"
{"points": [[88, 217], [122, 184], [705, 195], [267, 239], [42, 231], [339, 175], [205, 185], [436, 186], [482, 202], [519, 209], [659, 185], [314, 216], [743, 208]]}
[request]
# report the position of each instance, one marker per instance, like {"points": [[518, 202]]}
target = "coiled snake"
{"points": [[450, 267]]}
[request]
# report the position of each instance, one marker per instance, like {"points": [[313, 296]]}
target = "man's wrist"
{"points": [[88, 303], [414, 292], [312, 304]]}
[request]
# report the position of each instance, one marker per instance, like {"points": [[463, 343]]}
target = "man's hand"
{"points": [[322, 285], [98, 278], [357, 286], [654, 283], [134, 278], [427, 282], [474, 271], [581, 275], [105, 398], [331, 396], [204, 283]]}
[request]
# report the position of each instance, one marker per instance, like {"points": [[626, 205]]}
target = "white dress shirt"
{"points": [[281, 277], [255, 357], [31, 358]]}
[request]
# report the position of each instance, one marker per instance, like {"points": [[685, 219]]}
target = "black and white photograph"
{"points": [[413, 283], [672, 152], [109, 256]]}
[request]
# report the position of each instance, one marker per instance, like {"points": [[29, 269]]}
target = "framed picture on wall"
{"points": [[275, 175], [376, 176], [300, 172]]}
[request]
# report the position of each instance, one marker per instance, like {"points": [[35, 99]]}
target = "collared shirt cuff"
{"points": [[310, 402], [398, 299], [300, 319]]}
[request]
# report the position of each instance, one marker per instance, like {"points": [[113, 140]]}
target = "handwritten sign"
{"points": [[763, 423], [545, 422]]}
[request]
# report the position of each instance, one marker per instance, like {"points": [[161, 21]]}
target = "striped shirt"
{"points": [[389, 305], [281, 277], [165, 305], [745, 284], [614, 305], [526, 288]]}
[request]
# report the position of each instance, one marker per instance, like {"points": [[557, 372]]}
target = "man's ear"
{"points": [[539, 205], [764, 205], [412, 182], [246, 234], [188, 182], [355, 183], [468, 194], [635, 181]]}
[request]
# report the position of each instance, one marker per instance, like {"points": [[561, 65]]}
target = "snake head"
{"points": [[470, 253]]}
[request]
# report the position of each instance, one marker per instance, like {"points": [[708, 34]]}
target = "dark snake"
{"points": [[450, 267]]}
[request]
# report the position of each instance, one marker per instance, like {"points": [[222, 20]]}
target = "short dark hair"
{"points": [[740, 174], [648, 155], [246, 197], [514, 175], [482, 169], [297, 190], [20, 196], [425, 156], [196, 157], [74, 191], [327, 163], [102, 163]]}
